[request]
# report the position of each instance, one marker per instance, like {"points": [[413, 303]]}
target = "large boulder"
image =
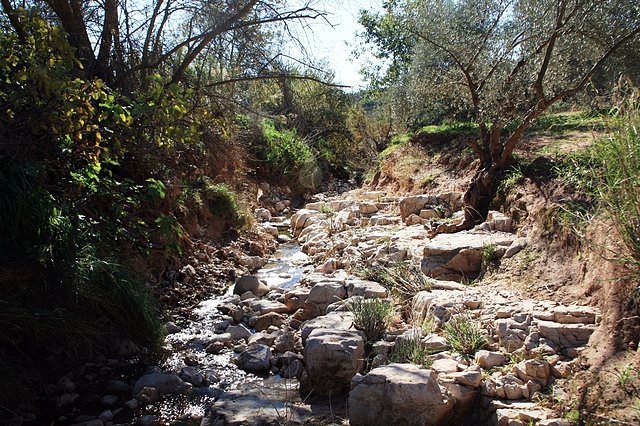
{"points": [[537, 370], [413, 205], [332, 321], [366, 289], [487, 359], [368, 208], [256, 358], [453, 256], [295, 298], [253, 263], [398, 394], [322, 295], [303, 218], [250, 283], [566, 335], [266, 306], [332, 358]]}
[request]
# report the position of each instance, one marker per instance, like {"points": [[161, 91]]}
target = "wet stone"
{"points": [[256, 358]]}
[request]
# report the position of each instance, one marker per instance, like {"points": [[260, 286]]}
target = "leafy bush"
{"points": [[289, 155], [371, 316], [223, 202], [489, 253], [464, 335]]}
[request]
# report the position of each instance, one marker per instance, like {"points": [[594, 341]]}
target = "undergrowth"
{"points": [[218, 198], [464, 335], [65, 291], [371, 316], [618, 159], [403, 280], [411, 349], [605, 180], [289, 155]]}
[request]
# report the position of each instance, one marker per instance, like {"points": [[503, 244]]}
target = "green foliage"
{"points": [[572, 415], [453, 128], [62, 291], [72, 213], [562, 123], [512, 177], [489, 253], [223, 202], [395, 42], [326, 209], [289, 155], [412, 349], [218, 199], [370, 125], [47, 110], [491, 61], [403, 280], [623, 374], [371, 316], [464, 335], [618, 158]]}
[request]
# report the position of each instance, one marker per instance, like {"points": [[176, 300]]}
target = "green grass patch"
{"points": [[396, 142], [464, 334], [512, 177], [565, 122], [412, 350], [371, 316], [454, 128]]}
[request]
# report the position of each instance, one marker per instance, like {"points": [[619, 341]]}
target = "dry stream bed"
{"points": [[281, 346]]}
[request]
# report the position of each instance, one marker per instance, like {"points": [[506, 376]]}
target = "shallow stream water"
{"points": [[188, 347]]}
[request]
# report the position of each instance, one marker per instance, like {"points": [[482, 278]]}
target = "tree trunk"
{"points": [[483, 186], [109, 35], [70, 14], [479, 194]]}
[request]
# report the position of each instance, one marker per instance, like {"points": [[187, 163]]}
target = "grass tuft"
{"points": [[618, 160], [412, 350], [403, 280], [371, 316], [464, 334]]}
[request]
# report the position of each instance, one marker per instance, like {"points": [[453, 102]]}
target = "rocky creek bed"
{"points": [[281, 347]]}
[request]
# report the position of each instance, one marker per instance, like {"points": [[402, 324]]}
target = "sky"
{"points": [[333, 42]]}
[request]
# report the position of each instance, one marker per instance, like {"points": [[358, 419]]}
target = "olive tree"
{"points": [[506, 62]]}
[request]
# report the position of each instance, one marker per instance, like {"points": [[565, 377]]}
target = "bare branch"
{"points": [[275, 77]]}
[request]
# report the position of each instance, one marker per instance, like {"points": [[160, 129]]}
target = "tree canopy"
{"points": [[503, 62]]}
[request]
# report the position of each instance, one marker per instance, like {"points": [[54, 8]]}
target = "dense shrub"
{"points": [[289, 155], [464, 335], [371, 316]]}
